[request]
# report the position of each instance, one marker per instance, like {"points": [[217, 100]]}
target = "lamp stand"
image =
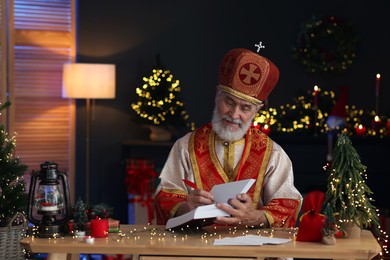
{"points": [[87, 150]]}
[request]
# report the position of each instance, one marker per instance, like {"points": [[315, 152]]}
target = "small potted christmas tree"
{"points": [[347, 193], [80, 218], [13, 196], [329, 228]]}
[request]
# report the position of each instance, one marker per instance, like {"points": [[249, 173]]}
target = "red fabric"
{"points": [[165, 204], [313, 202], [311, 221], [284, 212], [248, 73]]}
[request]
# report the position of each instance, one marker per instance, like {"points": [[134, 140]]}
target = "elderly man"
{"points": [[230, 149]]}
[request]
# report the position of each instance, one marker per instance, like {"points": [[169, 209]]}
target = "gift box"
{"points": [[113, 225], [140, 210]]}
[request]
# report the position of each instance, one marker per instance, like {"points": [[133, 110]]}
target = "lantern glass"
{"points": [[48, 198]]}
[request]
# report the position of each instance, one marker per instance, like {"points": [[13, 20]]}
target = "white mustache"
{"points": [[231, 120]]}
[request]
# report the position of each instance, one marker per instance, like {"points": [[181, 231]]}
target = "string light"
{"points": [[302, 117]]}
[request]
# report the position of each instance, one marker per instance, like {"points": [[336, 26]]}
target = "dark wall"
{"points": [[191, 38]]}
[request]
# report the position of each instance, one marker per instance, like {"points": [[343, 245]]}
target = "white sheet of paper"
{"points": [[250, 240]]}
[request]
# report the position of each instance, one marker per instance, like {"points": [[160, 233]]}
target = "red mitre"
{"points": [[247, 75]]}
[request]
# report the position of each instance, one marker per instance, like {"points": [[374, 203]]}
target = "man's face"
{"points": [[232, 116]]}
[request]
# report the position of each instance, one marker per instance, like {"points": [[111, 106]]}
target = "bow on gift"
{"points": [[311, 222]]}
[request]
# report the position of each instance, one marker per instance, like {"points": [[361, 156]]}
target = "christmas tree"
{"points": [[13, 196], [80, 216], [329, 228], [159, 101], [347, 192]]}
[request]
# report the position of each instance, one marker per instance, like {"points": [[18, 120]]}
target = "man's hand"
{"points": [[195, 198], [241, 213]]}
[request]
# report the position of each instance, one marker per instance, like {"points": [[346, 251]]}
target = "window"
{"points": [[37, 38]]}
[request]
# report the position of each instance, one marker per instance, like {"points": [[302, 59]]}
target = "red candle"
{"points": [[377, 85], [266, 129], [388, 128], [360, 130], [99, 227], [256, 125]]}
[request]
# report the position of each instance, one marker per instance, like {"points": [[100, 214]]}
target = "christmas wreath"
{"points": [[326, 44]]}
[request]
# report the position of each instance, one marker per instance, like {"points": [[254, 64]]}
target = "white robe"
{"points": [[278, 179]]}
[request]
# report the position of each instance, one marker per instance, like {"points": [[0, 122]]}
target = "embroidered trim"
{"points": [[240, 95]]}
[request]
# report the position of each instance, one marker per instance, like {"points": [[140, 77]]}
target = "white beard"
{"points": [[225, 133]]}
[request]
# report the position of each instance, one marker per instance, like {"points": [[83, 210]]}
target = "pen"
{"points": [[190, 183]]}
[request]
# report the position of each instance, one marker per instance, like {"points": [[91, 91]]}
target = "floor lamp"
{"points": [[88, 81]]}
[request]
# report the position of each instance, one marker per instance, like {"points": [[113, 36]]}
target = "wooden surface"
{"points": [[155, 241]]}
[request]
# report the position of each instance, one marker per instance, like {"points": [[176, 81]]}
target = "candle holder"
{"points": [[89, 239], [99, 228]]}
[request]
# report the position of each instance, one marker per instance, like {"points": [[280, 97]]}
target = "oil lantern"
{"points": [[49, 200]]}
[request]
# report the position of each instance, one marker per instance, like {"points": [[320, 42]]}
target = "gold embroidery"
{"points": [[210, 170], [194, 163]]}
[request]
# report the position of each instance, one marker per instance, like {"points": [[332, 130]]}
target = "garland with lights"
{"points": [[13, 196], [159, 101], [302, 117], [326, 44]]}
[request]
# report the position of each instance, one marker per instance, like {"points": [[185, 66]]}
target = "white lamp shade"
{"points": [[86, 80]]}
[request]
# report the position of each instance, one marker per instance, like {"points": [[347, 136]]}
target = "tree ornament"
{"points": [[326, 44]]}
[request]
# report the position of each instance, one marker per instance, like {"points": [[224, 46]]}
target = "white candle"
{"points": [[89, 240]]}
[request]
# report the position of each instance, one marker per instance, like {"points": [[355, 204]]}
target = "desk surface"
{"points": [[155, 241]]}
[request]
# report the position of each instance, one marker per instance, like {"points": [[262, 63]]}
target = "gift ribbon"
{"points": [[140, 180]]}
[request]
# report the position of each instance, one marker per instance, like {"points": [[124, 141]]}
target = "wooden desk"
{"points": [[153, 242]]}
